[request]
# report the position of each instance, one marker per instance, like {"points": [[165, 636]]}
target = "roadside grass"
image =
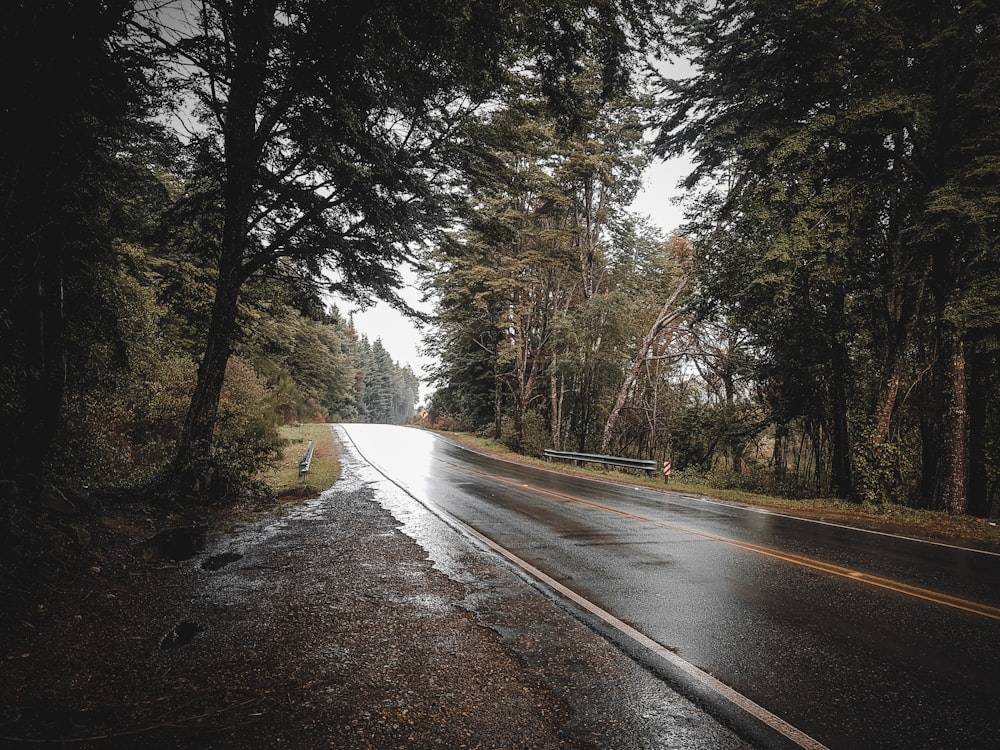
{"points": [[894, 519], [283, 476]]}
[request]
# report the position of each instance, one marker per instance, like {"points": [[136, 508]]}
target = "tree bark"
{"points": [[953, 487], [497, 400], [982, 365], [778, 456], [904, 302], [841, 475], [195, 447], [556, 397]]}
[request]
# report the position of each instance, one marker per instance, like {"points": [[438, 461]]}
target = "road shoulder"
{"points": [[328, 626]]}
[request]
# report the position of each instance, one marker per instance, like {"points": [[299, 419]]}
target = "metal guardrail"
{"points": [[628, 463], [306, 461]]}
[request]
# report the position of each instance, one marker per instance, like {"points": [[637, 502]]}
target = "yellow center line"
{"points": [[936, 597]]}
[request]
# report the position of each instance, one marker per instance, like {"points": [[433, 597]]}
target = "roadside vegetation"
{"points": [[826, 323], [282, 477], [184, 189], [918, 523]]}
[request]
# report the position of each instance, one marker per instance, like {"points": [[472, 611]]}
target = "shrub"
{"points": [[246, 434], [877, 472], [535, 436], [126, 434]]}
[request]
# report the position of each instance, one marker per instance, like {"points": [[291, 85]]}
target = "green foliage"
{"points": [[125, 436], [527, 301], [533, 439], [302, 359], [850, 215], [879, 471], [247, 438]]}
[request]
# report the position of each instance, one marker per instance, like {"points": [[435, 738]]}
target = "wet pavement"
{"points": [[861, 640], [356, 620], [608, 700]]}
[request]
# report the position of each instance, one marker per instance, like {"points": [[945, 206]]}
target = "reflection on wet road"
{"points": [[860, 640]]}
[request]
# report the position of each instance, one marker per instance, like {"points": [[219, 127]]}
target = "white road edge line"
{"points": [[776, 723], [821, 522], [736, 505]]}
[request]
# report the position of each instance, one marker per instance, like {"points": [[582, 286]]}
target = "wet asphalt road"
{"points": [[860, 640]]}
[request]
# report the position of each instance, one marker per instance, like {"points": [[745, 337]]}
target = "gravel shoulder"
{"points": [[352, 620]]}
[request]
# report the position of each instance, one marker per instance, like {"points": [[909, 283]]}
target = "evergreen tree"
{"points": [[379, 391], [857, 199]]}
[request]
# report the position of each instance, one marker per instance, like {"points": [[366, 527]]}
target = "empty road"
{"points": [[855, 639]]}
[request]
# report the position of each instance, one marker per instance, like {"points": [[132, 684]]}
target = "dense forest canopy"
{"points": [[825, 325], [854, 240], [183, 182]]}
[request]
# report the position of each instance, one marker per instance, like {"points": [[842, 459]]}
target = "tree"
{"points": [[662, 328], [534, 246], [339, 155], [72, 92], [856, 175]]}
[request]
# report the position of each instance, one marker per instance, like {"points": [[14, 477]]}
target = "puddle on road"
{"points": [[180, 635], [218, 562], [430, 532], [433, 535]]}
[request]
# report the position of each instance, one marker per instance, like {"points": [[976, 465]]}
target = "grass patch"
{"points": [[283, 476], [895, 519]]}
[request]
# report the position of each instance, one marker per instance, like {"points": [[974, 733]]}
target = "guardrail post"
{"points": [[305, 462]]}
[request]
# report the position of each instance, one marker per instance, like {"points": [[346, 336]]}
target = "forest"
{"points": [[184, 184]]}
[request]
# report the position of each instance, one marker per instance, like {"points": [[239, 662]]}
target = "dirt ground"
{"points": [[320, 625]]}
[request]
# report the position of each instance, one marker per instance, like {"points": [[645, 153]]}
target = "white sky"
{"points": [[401, 338]]}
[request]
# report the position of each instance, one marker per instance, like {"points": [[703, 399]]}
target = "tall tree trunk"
{"points": [[982, 365], [778, 457], [497, 401], [904, 302], [556, 399], [953, 488], [887, 398], [841, 477], [252, 27], [195, 447]]}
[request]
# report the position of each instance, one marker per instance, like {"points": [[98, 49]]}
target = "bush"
{"points": [[126, 435], [535, 436], [123, 432], [877, 476], [246, 434]]}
